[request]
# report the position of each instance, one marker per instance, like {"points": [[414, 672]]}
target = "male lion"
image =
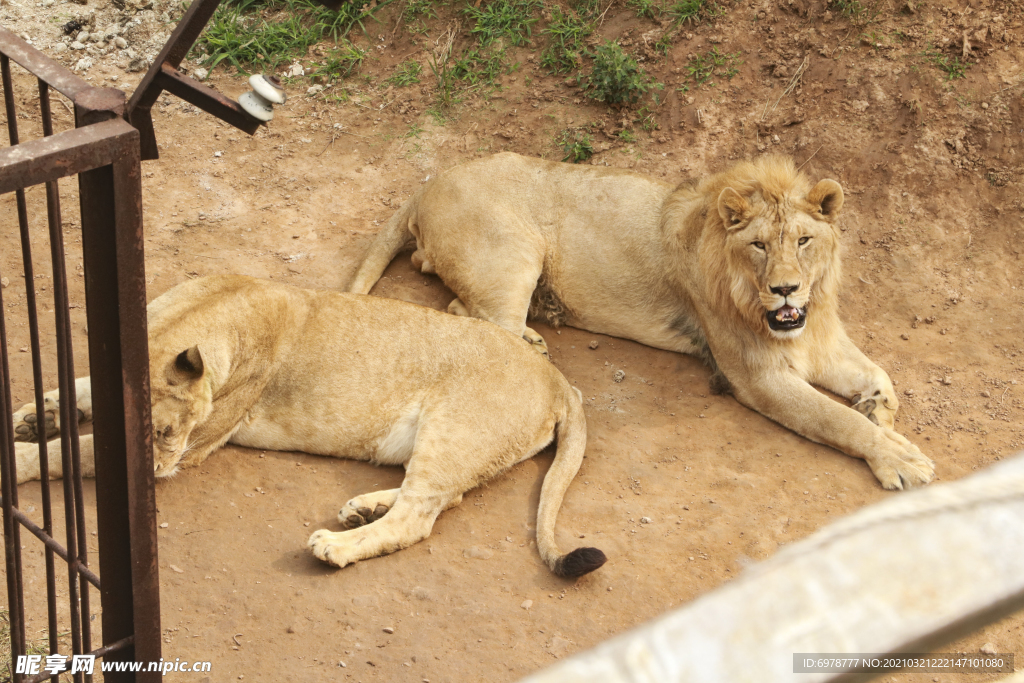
{"points": [[265, 365], [740, 269]]}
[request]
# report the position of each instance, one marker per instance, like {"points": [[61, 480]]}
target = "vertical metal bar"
{"points": [[37, 383], [77, 544], [112, 243], [12, 531]]}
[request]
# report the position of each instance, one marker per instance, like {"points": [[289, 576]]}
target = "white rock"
{"points": [[59, 48], [84, 64], [77, 46], [83, 36], [314, 89], [120, 42], [988, 649], [296, 70], [200, 74], [646, 520]]}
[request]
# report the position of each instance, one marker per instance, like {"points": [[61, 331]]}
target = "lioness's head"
{"points": [[782, 247], [181, 400]]}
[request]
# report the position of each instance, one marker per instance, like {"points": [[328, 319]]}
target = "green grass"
{"points": [[267, 33], [616, 78], [567, 32], [848, 8], [588, 9], [418, 8], [504, 19], [690, 11], [644, 8], [406, 73], [479, 66], [702, 68], [338, 64], [951, 66], [576, 145]]}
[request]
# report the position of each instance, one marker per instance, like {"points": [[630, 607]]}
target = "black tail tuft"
{"points": [[579, 562]]}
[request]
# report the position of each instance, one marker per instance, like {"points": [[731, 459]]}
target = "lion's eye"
{"points": [[758, 245], [804, 240]]}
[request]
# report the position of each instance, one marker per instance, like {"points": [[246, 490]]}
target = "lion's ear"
{"points": [[188, 366], [732, 207], [827, 198]]}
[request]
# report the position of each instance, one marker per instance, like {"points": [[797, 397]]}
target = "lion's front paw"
{"points": [[329, 547], [355, 514], [537, 341], [878, 408], [26, 421], [899, 464]]}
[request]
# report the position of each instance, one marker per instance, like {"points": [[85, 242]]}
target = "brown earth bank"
{"points": [[934, 293]]}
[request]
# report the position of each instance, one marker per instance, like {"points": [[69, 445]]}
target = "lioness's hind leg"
{"points": [[537, 342], [26, 421], [456, 307]]}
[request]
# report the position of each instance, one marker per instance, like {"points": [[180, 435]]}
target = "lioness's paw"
{"points": [[878, 408], [26, 421], [899, 463], [537, 341], [325, 546], [354, 514]]}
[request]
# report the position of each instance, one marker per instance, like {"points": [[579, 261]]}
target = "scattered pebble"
{"points": [[176, 568], [909, 392], [164, 525], [988, 649], [904, 336], [947, 380], [120, 43], [593, 345], [200, 74], [341, 664], [986, 393], [388, 629], [646, 520], [527, 604], [477, 553], [618, 376]]}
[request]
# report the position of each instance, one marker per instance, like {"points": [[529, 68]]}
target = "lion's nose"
{"points": [[785, 290]]}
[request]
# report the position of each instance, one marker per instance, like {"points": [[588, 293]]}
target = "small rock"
{"points": [[200, 74], [618, 376], [138, 64], [290, 629], [120, 43], [988, 649], [984, 105], [904, 336], [388, 629], [176, 568], [646, 520], [24, 349], [909, 392], [314, 89], [82, 37], [77, 45], [527, 604], [5, 282], [947, 380], [477, 553], [164, 525], [341, 664], [593, 345], [84, 64], [296, 70], [986, 393], [218, 154]]}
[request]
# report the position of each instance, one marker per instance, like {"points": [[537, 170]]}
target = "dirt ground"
{"points": [[934, 293]]}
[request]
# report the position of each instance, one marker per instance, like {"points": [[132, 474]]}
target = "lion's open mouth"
{"points": [[787, 318]]}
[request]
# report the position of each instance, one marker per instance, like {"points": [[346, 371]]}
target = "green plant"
{"points": [[406, 73], [576, 145], [953, 67], [509, 19], [702, 67], [627, 135], [588, 9], [267, 33], [479, 65], [644, 8], [691, 11], [848, 8], [417, 8], [567, 33], [616, 77], [339, 63]]}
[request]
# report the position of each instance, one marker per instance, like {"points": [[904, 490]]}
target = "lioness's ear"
{"points": [[732, 207], [827, 198], [188, 366]]}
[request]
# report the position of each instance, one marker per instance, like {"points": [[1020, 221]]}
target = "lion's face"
{"points": [[778, 251], [181, 400]]}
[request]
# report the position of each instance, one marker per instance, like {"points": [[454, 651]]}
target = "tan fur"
{"points": [[688, 269], [264, 365]]}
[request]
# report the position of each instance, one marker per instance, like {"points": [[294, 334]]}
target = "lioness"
{"points": [[238, 360], [741, 269]]}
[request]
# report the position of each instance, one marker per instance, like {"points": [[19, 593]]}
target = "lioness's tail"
{"points": [[391, 239], [572, 441]]}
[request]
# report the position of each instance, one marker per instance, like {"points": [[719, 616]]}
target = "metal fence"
{"points": [[102, 150]]}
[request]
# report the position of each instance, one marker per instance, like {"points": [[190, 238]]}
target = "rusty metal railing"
{"points": [[103, 151]]}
